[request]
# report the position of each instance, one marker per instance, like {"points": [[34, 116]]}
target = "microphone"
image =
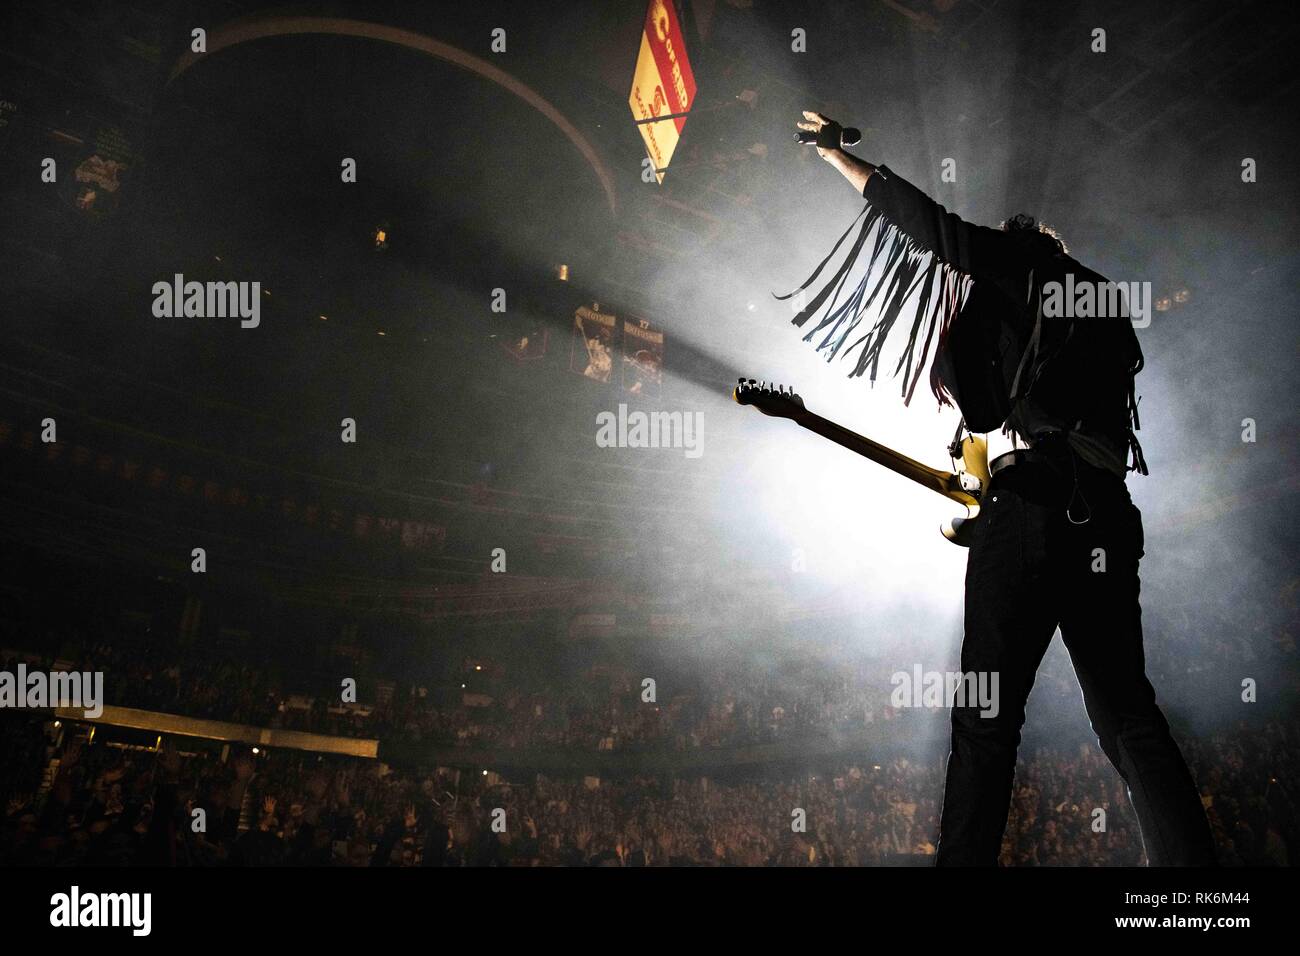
{"points": [[849, 136]]}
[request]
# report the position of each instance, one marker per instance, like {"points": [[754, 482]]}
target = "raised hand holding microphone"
{"points": [[830, 138], [825, 133]]}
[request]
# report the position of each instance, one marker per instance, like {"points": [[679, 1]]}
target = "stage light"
{"points": [[380, 238], [562, 272], [256, 751], [1163, 303], [324, 318], [1182, 295]]}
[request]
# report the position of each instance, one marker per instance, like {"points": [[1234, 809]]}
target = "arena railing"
{"points": [[174, 724]]}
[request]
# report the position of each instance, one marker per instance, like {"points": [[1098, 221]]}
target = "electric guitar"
{"points": [[963, 487]]}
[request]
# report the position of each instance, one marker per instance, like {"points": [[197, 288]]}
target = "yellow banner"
{"points": [[647, 101]]}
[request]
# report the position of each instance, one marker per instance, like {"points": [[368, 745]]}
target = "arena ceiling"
{"points": [[486, 180]]}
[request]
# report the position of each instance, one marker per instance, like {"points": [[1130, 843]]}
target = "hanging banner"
{"points": [[592, 351], [643, 358], [92, 162], [101, 171], [663, 84]]}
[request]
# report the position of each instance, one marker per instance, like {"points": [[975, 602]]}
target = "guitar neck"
{"points": [[941, 482]]}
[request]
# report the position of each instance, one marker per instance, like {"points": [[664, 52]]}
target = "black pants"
{"points": [[1031, 569]]}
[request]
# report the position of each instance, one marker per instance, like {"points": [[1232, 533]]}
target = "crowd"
{"points": [[832, 693], [709, 706], [68, 802], [207, 685], [73, 798]]}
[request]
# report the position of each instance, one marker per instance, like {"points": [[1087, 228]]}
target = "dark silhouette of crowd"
{"points": [[69, 801], [75, 792]]}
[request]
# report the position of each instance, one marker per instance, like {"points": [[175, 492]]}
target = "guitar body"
{"points": [[964, 487], [975, 462]]}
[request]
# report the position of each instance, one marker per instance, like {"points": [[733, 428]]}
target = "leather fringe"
{"points": [[899, 269]]}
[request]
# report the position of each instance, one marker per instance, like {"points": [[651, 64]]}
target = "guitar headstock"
{"points": [[777, 400]]}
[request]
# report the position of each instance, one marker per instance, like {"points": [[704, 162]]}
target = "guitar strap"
{"points": [[954, 449]]}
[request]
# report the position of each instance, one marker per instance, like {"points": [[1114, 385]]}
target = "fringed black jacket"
{"points": [[975, 296]]}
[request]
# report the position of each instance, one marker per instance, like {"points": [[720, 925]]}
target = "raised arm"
{"points": [[856, 171], [965, 246]]}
